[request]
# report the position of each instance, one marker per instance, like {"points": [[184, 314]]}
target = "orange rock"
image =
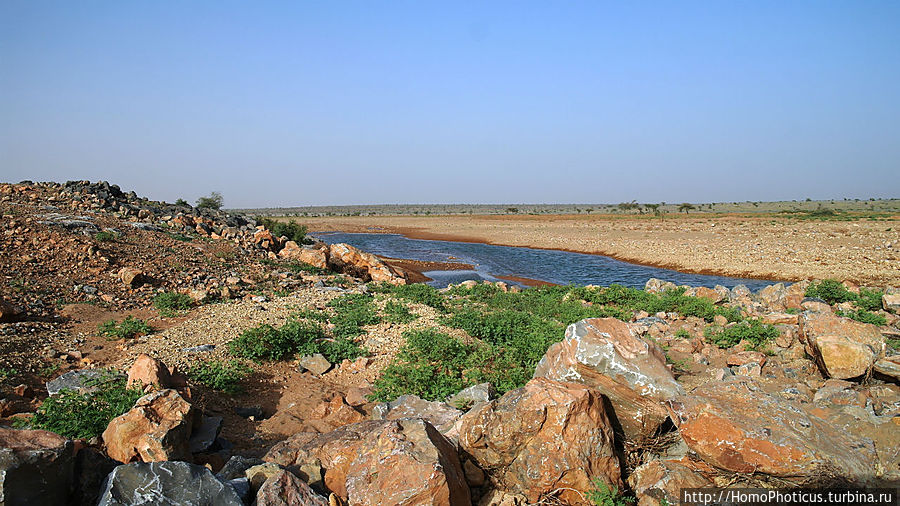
{"points": [[131, 277], [605, 355], [663, 479], [705, 293], [285, 489], [735, 426], [747, 357], [366, 265], [157, 428], [546, 436], [147, 370], [408, 462], [843, 348]]}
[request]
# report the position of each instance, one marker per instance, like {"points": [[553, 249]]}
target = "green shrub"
{"points": [[86, 415], [670, 301], [311, 314], [168, 303], [524, 335], [290, 229], [396, 312], [106, 236], [861, 315], [220, 375], [602, 494], [831, 291], [683, 334], [128, 328], [869, 300], [7, 373], [266, 342], [754, 332], [434, 365], [352, 311], [418, 293]]}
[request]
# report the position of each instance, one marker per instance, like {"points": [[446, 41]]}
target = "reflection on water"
{"points": [[559, 267]]}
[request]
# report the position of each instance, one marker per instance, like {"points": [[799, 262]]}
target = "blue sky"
{"points": [[312, 103]]}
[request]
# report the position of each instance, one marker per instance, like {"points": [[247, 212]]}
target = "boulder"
{"points": [[157, 428], [205, 433], [735, 426], [285, 489], [147, 370], [436, 413], [482, 392], [889, 366], [131, 277], [891, 302], [336, 412], [92, 466], [78, 380], [660, 481], [843, 348], [407, 462], [316, 363], [397, 460], [605, 355], [705, 293], [316, 257], [36, 467], [9, 312], [746, 357], [545, 437], [346, 258], [166, 483], [773, 297]]}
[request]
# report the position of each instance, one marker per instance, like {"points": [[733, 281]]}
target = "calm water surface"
{"points": [[559, 267]]}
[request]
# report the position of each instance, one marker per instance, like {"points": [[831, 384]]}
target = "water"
{"points": [[559, 267]]}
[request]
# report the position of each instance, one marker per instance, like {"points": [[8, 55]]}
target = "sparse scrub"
{"points": [[169, 303], [861, 315], [266, 342], [396, 312], [128, 328], [602, 494], [106, 236], [670, 301], [351, 313], [753, 332], [290, 229], [418, 293], [86, 415], [220, 375], [869, 300], [831, 291]]}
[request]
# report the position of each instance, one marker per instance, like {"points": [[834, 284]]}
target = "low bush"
{"points": [[831, 291], [418, 293], [168, 303], [861, 315], [106, 236], [870, 300], [86, 415], [220, 375], [351, 312], [754, 332], [266, 342], [602, 494], [126, 329], [670, 301], [396, 312]]}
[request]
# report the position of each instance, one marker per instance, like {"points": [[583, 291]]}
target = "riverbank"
{"points": [[770, 247]]}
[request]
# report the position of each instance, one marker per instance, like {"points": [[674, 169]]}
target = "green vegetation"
{"points": [[86, 415], [266, 342], [831, 291], [869, 300], [418, 293], [753, 332], [106, 236], [290, 229], [128, 328], [670, 301], [602, 494], [683, 334], [434, 365], [213, 201], [861, 315], [181, 202], [351, 313], [179, 237], [7, 373], [220, 375], [396, 312], [311, 314], [168, 303]]}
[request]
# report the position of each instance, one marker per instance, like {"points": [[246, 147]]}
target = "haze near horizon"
{"points": [[276, 104]]}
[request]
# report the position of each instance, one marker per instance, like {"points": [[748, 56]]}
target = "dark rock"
{"points": [[167, 482], [36, 467]]}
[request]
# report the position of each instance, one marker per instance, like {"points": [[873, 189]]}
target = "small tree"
{"points": [[213, 201], [686, 208], [181, 202]]}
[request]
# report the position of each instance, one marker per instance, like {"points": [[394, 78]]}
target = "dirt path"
{"points": [[767, 247]]}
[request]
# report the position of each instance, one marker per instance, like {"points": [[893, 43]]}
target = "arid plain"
{"points": [[768, 246]]}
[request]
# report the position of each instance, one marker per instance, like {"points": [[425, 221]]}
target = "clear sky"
{"points": [[318, 103]]}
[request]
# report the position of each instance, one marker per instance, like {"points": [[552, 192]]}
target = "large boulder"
{"points": [[843, 348], [346, 258], [660, 481], [544, 437], [889, 366], [396, 460], [285, 489], [735, 426], [147, 370], [166, 483], [408, 462], [604, 354], [36, 467], [891, 302], [157, 428], [317, 257]]}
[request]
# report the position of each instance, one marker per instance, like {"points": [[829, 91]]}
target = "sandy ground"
{"points": [[767, 247]]}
